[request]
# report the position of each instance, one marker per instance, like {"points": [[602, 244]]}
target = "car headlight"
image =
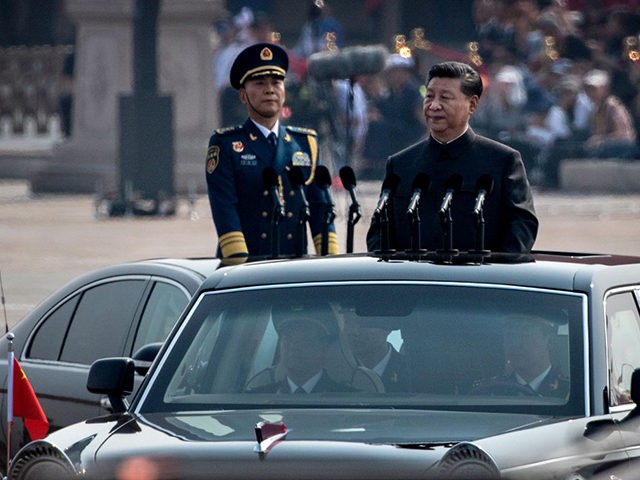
{"points": [[466, 461]]}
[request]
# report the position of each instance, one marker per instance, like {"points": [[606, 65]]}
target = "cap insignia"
{"points": [[266, 54]]}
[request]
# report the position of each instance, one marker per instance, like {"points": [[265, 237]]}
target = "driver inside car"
{"points": [[529, 370]]}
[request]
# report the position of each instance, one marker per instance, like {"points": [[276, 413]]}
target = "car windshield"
{"points": [[401, 345]]}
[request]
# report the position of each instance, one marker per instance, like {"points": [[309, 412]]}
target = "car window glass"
{"points": [[102, 321], [165, 304], [623, 324], [442, 346], [47, 341]]}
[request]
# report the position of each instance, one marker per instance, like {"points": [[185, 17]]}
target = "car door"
{"points": [[102, 320], [94, 323], [623, 337]]}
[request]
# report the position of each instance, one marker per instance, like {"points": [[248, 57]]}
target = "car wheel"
{"points": [[41, 461]]}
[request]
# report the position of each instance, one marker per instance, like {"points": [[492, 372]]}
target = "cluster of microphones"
{"points": [[420, 186], [323, 181]]}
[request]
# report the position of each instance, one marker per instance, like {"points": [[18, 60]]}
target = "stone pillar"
{"points": [[185, 70], [88, 161]]}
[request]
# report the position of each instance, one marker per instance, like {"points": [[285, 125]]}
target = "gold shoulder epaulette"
{"points": [[226, 130], [306, 131]]}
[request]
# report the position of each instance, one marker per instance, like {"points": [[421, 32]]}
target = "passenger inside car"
{"points": [[304, 344], [528, 343], [368, 340]]}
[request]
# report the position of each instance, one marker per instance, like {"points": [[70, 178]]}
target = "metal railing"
{"points": [[33, 83]]}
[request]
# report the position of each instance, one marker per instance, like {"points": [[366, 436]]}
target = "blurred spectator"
{"points": [[609, 51], [395, 116], [319, 24], [494, 31], [244, 29], [501, 115], [567, 129], [351, 104], [228, 47], [612, 130]]}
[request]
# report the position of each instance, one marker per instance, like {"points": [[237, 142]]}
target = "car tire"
{"points": [[40, 461]]}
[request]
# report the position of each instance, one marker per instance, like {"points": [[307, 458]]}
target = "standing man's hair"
{"points": [[470, 81]]}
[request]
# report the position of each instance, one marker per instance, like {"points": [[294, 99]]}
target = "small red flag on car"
{"points": [[25, 404]]}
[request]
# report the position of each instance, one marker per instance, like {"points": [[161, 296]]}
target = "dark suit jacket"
{"points": [[325, 384], [554, 384], [510, 220]]}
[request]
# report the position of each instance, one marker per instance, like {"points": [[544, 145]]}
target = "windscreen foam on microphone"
{"points": [[322, 176], [269, 177], [296, 177], [347, 177]]}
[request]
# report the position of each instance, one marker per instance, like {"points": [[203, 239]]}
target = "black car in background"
{"points": [[219, 401], [113, 311]]}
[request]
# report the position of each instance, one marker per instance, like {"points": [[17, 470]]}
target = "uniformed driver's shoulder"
{"points": [[301, 130], [228, 130]]}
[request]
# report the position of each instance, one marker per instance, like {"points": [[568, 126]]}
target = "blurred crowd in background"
{"points": [[562, 77], [562, 80]]}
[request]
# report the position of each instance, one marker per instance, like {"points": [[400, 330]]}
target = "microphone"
{"points": [[348, 179], [296, 177], [484, 187], [389, 186], [420, 185], [323, 180], [453, 184], [270, 179]]}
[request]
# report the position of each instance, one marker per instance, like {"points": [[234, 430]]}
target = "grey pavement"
{"points": [[46, 241]]}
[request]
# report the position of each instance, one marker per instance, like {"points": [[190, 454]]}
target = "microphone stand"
{"points": [[302, 229], [276, 218], [480, 250], [414, 218], [385, 234], [354, 216], [328, 216], [447, 226]]}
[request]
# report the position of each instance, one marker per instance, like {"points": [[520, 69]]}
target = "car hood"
{"points": [[382, 443]]}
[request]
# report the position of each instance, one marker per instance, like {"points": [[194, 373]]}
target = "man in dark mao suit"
{"points": [[241, 204], [453, 93]]}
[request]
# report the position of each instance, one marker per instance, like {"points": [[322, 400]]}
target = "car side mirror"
{"points": [[144, 357], [112, 377]]}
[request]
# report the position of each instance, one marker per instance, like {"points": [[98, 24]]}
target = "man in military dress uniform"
{"points": [[241, 204]]}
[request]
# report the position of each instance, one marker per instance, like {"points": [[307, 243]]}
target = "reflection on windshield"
{"points": [[374, 345]]}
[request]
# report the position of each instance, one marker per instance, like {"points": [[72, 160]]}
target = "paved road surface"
{"points": [[48, 240]]}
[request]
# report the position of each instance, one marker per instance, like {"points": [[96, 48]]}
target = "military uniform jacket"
{"points": [[242, 208], [511, 224]]}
